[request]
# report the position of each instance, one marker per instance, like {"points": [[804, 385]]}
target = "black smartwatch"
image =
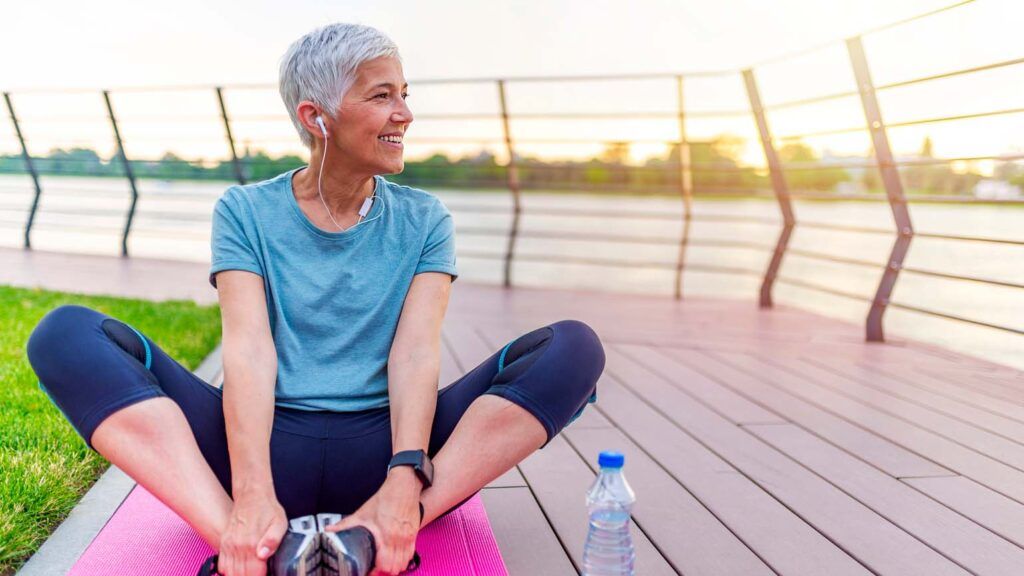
{"points": [[419, 461]]}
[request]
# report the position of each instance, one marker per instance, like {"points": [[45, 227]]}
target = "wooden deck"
{"points": [[762, 442], [758, 442]]}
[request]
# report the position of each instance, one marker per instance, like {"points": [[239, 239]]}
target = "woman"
{"points": [[333, 284]]}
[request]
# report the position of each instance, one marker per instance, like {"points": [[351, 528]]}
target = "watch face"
{"points": [[428, 468]]}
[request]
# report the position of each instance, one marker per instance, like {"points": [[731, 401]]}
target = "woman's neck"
{"points": [[343, 191]]}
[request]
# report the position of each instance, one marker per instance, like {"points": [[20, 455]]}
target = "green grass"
{"points": [[45, 467]]}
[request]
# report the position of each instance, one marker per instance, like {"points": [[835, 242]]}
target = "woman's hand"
{"points": [[392, 515], [254, 532]]}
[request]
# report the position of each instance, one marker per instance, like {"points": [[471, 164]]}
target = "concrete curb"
{"points": [[67, 543]]}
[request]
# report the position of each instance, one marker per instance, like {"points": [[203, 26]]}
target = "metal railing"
{"points": [[683, 171]]}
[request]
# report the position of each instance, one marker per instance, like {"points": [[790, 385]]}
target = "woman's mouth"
{"points": [[394, 141]]}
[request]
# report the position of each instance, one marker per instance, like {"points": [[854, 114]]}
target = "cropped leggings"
{"points": [[92, 365]]}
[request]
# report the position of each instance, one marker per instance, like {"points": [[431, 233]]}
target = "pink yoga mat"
{"points": [[146, 538]]}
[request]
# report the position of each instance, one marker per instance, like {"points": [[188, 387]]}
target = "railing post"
{"points": [[231, 139], [31, 170], [128, 172], [893, 189], [778, 186], [513, 185], [685, 186]]}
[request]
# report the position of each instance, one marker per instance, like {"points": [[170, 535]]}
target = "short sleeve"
{"points": [[230, 247], [439, 249]]}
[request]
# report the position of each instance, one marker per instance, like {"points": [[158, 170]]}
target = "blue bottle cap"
{"points": [[610, 459]]}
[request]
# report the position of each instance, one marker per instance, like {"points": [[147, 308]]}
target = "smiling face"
{"points": [[371, 120]]}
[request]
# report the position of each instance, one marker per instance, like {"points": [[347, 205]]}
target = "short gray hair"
{"points": [[321, 67]]}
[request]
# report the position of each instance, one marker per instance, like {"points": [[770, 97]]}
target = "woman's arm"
{"points": [[414, 364], [250, 372]]}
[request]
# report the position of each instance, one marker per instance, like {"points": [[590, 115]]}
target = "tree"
{"points": [[715, 165], [82, 161], [810, 174], [937, 177], [615, 153], [926, 148]]}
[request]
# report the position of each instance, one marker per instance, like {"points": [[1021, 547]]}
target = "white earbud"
{"points": [[323, 129]]}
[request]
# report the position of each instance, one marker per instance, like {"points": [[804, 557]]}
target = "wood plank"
{"points": [[451, 370], [511, 479], [527, 543], [560, 480], [867, 536], [591, 418], [993, 445], [782, 539], [467, 346], [988, 471], [894, 459], [1014, 380], [722, 399], [1007, 389], [957, 538], [1005, 385], [689, 535], [903, 391], [921, 379], [979, 367], [978, 384], [990, 509]]}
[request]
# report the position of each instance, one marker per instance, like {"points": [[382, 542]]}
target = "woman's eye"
{"points": [[384, 94], [405, 96]]}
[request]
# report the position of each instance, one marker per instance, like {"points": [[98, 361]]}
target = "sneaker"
{"points": [[350, 552], [299, 552], [308, 549], [298, 555], [209, 568]]}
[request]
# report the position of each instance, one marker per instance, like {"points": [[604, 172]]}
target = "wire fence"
{"points": [[690, 172]]}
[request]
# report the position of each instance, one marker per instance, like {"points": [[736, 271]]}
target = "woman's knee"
{"points": [[72, 345], [582, 345], [67, 333], [583, 354], [53, 340], [86, 364], [581, 334], [552, 372]]}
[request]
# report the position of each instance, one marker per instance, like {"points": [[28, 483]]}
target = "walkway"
{"points": [[148, 278], [758, 442]]}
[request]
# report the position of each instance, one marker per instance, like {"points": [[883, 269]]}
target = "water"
{"points": [[173, 221], [608, 550]]}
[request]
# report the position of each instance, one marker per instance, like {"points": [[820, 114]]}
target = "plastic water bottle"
{"points": [[608, 550]]}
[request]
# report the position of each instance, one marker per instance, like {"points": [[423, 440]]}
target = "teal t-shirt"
{"points": [[333, 298]]}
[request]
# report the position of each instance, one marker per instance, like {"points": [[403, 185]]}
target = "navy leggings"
{"points": [[92, 365]]}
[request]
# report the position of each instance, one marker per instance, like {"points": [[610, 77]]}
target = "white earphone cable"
{"points": [[319, 191]]}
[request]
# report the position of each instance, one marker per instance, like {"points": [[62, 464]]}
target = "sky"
{"points": [[104, 44]]}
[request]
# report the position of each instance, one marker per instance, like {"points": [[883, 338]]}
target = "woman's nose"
{"points": [[403, 115]]}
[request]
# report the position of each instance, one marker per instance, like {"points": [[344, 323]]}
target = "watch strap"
{"points": [[418, 460]]}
